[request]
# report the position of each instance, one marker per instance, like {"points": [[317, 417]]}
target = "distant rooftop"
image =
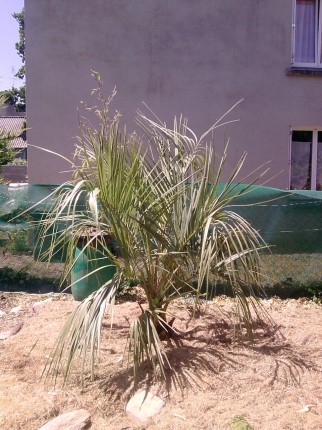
{"points": [[9, 110]]}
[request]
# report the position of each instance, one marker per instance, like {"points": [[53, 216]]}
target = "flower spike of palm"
{"points": [[164, 206]]}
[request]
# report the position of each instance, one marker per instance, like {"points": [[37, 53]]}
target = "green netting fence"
{"points": [[18, 221], [289, 221]]}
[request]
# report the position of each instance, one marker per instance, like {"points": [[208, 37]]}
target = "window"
{"points": [[307, 23], [306, 159]]}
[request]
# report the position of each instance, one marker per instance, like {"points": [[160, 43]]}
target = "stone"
{"points": [[38, 305], [74, 420], [14, 330], [2, 314], [143, 405], [16, 310], [306, 408]]}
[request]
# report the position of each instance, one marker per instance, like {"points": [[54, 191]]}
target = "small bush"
{"points": [[293, 289], [15, 241], [11, 276], [18, 162], [239, 423]]}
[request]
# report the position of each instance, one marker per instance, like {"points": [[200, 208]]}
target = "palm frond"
{"points": [[144, 343], [81, 335]]}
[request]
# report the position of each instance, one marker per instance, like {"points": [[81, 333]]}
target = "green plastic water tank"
{"points": [[84, 281]]}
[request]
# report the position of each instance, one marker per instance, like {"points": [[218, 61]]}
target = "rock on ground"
{"points": [[143, 405], [74, 420], [5, 334], [16, 310]]}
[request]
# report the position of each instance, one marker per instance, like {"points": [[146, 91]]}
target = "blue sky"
{"points": [[9, 34]]}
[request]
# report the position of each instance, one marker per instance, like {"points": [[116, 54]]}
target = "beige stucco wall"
{"points": [[179, 56]]}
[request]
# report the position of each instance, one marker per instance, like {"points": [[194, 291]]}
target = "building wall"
{"points": [[192, 57], [14, 173]]}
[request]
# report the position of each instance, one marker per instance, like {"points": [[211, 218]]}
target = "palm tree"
{"points": [[162, 202]]}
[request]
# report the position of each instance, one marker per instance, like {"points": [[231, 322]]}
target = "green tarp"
{"points": [[289, 221]]}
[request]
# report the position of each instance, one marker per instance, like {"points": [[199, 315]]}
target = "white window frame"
{"points": [[318, 34], [314, 158]]}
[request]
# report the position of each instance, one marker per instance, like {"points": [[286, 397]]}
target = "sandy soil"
{"points": [[276, 384]]}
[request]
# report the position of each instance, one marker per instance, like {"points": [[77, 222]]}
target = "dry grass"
{"points": [[212, 380]]}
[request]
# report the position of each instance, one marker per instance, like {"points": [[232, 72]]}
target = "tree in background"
{"points": [[6, 153], [17, 96], [20, 45]]}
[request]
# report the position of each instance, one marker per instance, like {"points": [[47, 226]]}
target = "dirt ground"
{"points": [[276, 384]]}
